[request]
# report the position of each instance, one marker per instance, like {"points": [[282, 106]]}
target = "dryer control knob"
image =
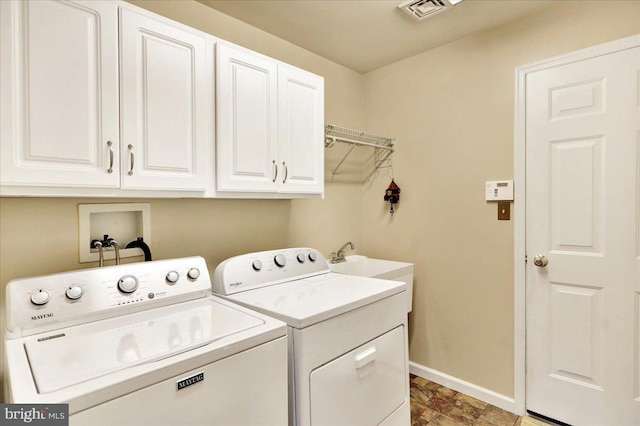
{"points": [[40, 297], [256, 265], [312, 256], [74, 292], [193, 273], [128, 284], [280, 260], [172, 277], [301, 258]]}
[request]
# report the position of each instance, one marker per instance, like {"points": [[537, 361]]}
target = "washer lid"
{"points": [[304, 302], [73, 355]]}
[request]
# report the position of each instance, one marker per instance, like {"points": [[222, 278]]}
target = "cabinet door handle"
{"points": [[132, 159], [286, 172], [275, 176], [110, 145]]}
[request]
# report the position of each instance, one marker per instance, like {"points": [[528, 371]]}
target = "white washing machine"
{"points": [[143, 344], [348, 352]]}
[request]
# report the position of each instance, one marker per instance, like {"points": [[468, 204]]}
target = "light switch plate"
{"points": [[504, 211]]}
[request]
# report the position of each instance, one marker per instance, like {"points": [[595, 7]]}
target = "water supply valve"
{"points": [[106, 242]]}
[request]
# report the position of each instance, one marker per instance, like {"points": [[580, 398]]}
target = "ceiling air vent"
{"points": [[422, 9]]}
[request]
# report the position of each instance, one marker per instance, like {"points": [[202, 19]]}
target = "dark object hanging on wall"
{"points": [[392, 195]]}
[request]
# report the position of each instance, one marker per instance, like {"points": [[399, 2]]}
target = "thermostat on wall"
{"points": [[499, 190]]}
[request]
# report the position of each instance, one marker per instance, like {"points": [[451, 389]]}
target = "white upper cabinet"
{"points": [[301, 130], [270, 122], [59, 101], [164, 100], [103, 98], [247, 124]]}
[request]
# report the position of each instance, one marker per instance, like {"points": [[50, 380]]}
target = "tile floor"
{"points": [[436, 405]]}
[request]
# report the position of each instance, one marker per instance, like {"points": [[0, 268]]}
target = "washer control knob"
{"points": [[280, 260], [301, 258], [172, 277], [257, 265], [193, 273], [312, 256], [40, 297], [74, 292], [128, 284]]}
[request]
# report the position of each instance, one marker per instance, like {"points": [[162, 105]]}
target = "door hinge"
{"points": [[526, 258]]}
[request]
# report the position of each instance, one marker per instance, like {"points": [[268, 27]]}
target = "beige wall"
{"points": [[451, 110], [40, 236]]}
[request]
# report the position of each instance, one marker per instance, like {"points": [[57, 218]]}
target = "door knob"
{"points": [[540, 260]]}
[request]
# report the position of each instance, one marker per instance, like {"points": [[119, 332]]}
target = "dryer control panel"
{"points": [[254, 270], [49, 302]]}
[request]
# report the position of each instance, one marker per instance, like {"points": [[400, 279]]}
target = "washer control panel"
{"points": [[255, 270], [48, 302]]}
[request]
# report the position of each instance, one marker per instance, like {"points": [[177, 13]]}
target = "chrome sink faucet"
{"points": [[338, 257]]}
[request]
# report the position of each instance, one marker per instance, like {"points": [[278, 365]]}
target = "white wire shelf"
{"points": [[335, 133], [355, 138]]}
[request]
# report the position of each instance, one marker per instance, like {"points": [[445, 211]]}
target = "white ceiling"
{"points": [[367, 34]]}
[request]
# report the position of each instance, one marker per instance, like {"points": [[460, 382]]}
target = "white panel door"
{"points": [[301, 130], [247, 132], [164, 93], [583, 213], [59, 84]]}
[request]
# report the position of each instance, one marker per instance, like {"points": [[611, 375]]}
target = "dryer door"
{"points": [[362, 387]]}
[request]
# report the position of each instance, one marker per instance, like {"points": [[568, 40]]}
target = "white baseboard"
{"points": [[486, 395]]}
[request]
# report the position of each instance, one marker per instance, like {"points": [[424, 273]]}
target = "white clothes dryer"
{"points": [[348, 352], [143, 344]]}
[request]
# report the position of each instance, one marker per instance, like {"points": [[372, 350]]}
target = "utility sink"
{"points": [[364, 266]]}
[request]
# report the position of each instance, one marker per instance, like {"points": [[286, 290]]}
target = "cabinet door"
{"points": [[59, 84], [164, 92], [301, 130], [247, 133]]}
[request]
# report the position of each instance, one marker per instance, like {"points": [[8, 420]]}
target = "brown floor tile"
{"points": [[471, 401], [457, 409], [420, 381], [419, 422], [417, 410], [498, 417], [442, 420], [443, 406], [421, 412], [465, 412], [482, 422], [444, 393], [432, 389], [418, 394], [436, 405]]}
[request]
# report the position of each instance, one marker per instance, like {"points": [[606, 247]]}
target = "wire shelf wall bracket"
{"points": [[383, 146]]}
